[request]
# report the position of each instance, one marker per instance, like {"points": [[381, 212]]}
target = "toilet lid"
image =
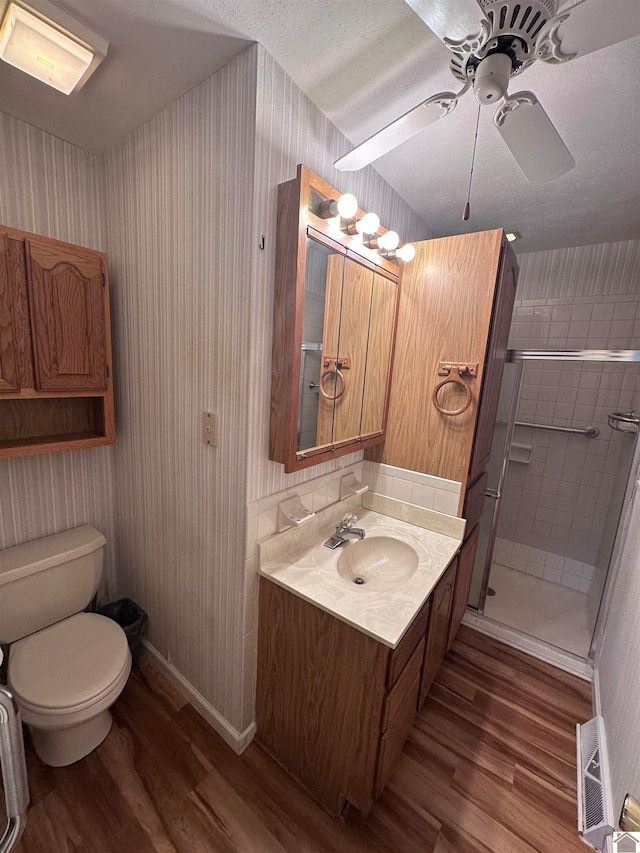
{"points": [[69, 663]]}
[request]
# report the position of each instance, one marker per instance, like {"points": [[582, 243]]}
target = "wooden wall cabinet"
{"points": [[56, 388], [335, 706], [334, 317], [456, 306]]}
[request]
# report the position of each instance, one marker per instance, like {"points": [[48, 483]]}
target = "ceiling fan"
{"points": [[507, 37]]}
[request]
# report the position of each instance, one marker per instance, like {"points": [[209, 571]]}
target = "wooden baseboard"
{"points": [[238, 741]]}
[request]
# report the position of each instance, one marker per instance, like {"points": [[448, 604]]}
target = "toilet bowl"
{"points": [[66, 667], [64, 679]]}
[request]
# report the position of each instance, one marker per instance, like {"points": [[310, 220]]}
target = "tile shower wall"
{"points": [[52, 188], [552, 521]]}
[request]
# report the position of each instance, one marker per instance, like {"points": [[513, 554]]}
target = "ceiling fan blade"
{"points": [[591, 25], [397, 132], [532, 138], [450, 19]]}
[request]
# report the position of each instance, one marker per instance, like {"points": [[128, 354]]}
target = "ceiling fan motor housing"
{"points": [[513, 30]]}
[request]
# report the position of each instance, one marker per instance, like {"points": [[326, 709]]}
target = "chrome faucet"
{"points": [[345, 531]]}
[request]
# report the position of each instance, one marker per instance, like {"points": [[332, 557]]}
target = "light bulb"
{"points": [[388, 241], [369, 224], [347, 206], [406, 253]]}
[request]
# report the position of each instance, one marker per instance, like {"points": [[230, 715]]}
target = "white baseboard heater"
{"points": [[595, 809]]}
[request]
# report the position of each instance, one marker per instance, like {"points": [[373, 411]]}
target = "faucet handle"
{"points": [[348, 521]]}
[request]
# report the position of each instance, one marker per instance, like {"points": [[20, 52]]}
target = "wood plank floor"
{"points": [[488, 768]]}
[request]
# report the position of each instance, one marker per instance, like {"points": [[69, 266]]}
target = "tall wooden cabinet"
{"points": [[56, 388], [456, 307]]}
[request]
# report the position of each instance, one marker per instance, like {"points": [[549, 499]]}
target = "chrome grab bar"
{"points": [[14, 771], [588, 432]]}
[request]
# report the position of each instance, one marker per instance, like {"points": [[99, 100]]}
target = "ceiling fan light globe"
{"points": [[492, 78]]}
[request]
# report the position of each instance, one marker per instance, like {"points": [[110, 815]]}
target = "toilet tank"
{"points": [[46, 580]]}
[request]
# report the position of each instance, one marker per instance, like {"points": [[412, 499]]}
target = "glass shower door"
{"points": [[496, 469]]}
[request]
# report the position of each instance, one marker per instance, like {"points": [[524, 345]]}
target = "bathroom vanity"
{"points": [[343, 667]]}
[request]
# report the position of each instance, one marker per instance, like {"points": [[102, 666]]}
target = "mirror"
{"points": [[347, 329], [335, 310]]}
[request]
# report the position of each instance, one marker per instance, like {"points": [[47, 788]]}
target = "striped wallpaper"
{"points": [[290, 129], [178, 196], [600, 270], [180, 206], [52, 188]]}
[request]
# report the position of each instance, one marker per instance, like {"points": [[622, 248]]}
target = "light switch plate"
{"points": [[210, 428]]}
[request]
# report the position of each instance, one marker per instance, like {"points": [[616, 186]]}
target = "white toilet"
{"points": [[66, 667]]}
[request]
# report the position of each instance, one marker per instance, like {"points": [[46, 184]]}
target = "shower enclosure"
{"points": [[562, 457]]}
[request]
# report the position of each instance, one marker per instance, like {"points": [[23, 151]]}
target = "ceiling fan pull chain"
{"points": [[467, 207]]}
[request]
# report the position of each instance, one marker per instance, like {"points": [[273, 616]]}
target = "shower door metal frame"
{"points": [[520, 356], [496, 494]]}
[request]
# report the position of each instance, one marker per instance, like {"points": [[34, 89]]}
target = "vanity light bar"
{"points": [[387, 243]]}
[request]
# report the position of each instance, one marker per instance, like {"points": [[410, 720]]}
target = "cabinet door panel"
{"points": [[16, 360], [383, 312], [438, 631], [8, 356], [395, 736], [67, 316]]}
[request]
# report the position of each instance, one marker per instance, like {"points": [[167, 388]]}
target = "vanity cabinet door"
{"points": [[67, 316], [438, 630], [394, 738], [398, 716]]}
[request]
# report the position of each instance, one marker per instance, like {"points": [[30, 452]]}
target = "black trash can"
{"points": [[131, 618]]}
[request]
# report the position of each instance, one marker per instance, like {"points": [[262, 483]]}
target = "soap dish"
{"points": [[350, 485], [292, 513]]}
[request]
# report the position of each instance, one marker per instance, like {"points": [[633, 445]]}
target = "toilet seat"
{"points": [[70, 666]]}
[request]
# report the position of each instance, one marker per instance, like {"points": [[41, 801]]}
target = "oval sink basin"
{"points": [[377, 562]]}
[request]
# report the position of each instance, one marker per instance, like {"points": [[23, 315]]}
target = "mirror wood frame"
{"points": [[295, 222]]}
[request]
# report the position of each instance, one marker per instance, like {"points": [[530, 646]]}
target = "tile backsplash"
{"points": [[413, 487]]}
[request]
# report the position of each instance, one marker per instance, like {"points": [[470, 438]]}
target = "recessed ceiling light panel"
{"points": [[46, 51]]}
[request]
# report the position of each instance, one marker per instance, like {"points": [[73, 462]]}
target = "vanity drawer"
{"points": [[405, 648], [394, 702]]}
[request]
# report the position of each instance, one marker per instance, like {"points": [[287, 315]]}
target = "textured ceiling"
{"points": [[364, 64]]}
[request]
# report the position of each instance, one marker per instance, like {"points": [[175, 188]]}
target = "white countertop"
{"points": [[298, 561]]}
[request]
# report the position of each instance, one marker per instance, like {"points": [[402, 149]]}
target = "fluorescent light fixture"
{"points": [[513, 235], [44, 47]]}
